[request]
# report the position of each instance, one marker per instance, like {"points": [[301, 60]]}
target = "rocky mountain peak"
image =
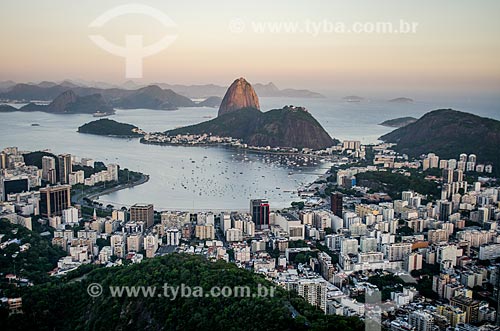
{"points": [[239, 95]]}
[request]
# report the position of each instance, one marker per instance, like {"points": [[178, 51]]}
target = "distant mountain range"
{"points": [[270, 90], [30, 91], [152, 97], [90, 100], [70, 103], [262, 90], [448, 133], [147, 97], [213, 102]]}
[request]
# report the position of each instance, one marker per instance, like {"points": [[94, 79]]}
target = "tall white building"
{"points": [[225, 221], [234, 235], [135, 242], [368, 244], [113, 171], [488, 252], [118, 245], [77, 177], [421, 321], [413, 261], [407, 196], [173, 237], [150, 244], [396, 251], [448, 253], [49, 169], [70, 216], [314, 291], [349, 246]]}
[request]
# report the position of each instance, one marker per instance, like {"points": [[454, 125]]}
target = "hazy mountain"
{"points": [[271, 90], [153, 97], [69, 102], [148, 97], [130, 85], [196, 91], [70, 84], [9, 90], [162, 96], [33, 92], [262, 90], [6, 84], [213, 102], [46, 84]]}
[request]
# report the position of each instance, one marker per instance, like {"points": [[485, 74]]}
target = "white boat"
{"points": [[100, 114]]}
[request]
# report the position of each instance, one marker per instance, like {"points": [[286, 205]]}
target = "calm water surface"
{"points": [[210, 177]]}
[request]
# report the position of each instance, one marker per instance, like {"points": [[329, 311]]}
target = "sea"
{"points": [[215, 178]]}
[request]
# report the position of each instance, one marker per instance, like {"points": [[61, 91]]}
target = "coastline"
{"points": [[144, 179], [95, 194], [239, 147], [114, 135]]}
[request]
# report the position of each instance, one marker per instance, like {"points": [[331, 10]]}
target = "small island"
{"points": [[353, 98], [401, 100], [399, 122], [107, 127]]}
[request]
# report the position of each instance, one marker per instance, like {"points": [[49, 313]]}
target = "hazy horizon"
{"points": [[454, 49]]}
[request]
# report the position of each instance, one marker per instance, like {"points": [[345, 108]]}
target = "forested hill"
{"points": [[448, 133], [66, 305]]}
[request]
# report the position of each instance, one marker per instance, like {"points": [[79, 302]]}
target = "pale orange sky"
{"points": [[456, 45]]}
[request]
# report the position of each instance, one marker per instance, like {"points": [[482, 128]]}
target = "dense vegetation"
{"points": [[35, 158], [67, 306], [387, 284], [448, 133], [107, 127], [395, 183], [275, 128], [33, 263]]}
